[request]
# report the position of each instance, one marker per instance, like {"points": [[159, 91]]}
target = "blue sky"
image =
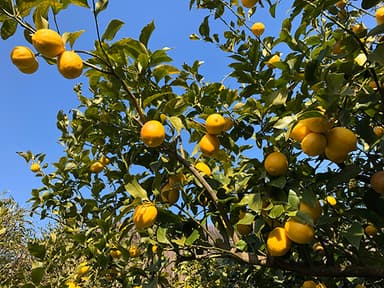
{"points": [[30, 102]]}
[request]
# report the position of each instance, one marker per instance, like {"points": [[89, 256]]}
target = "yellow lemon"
{"points": [[152, 133], [35, 167], [144, 215], [24, 59], [299, 131], [214, 124], [308, 284], [314, 144], [249, 3], [258, 28], [276, 164], [331, 200], [204, 168], [377, 182], [314, 212], [379, 16], [278, 243], [209, 144], [316, 124], [370, 230], [70, 64], [48, 42], [298, 232], [96, 167], [271, 61]]}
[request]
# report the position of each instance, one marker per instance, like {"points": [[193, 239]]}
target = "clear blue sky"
{"points": [[30, 102]]}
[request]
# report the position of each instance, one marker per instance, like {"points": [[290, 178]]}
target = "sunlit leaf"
{"points": [[112, 28]]}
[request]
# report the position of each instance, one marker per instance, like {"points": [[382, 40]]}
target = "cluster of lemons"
{"points": [[51, 45], [317, 137]]}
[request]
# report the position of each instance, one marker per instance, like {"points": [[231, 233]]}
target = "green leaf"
{"points": [[347, 173], [135, 190], [354, 234], [101, 5], [177, 123], [8, 29], [253, 201], [71, 37], [247, 219], [36, 250], [160, 71], [37, 272], [293, 199], [146, 33], [161, 235], [81, 3], [193, 237], [367, 4], [113, 27], [276, 211], [204, 28], [377, 55]]}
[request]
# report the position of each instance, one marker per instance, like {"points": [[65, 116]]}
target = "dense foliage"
{"points": [[325, 63]]}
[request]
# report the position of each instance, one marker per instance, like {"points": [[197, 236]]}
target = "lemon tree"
{"points": [[309, 94]]}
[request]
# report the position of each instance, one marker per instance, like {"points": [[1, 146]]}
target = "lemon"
{"points": [[276, 164]]}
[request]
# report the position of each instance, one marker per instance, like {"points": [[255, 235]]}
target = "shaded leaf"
{"points": [[8, 28]]}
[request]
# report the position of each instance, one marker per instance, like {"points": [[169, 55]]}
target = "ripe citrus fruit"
{"points": [[314, 144], [276, 164], [35, 167], [133, 251], [24, 59], [314, 212], [228, 124], [341, 140], [144, 215], [209, 144], [48, 42], [378, 131], [115, 253], [258, 29], [316, 124], [308, 284], [298, 232], [204, 168], [96, 167], [168, 194], [278, 243], [380, 15], [104, 160], [249, 3], [82, 269], [271, 61], [377, 182], [299, 131], [359, 30], [214, 124], [335, 155], [331, 200], [152, 133], [70, 64], [341, 4], [370, 230]]}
